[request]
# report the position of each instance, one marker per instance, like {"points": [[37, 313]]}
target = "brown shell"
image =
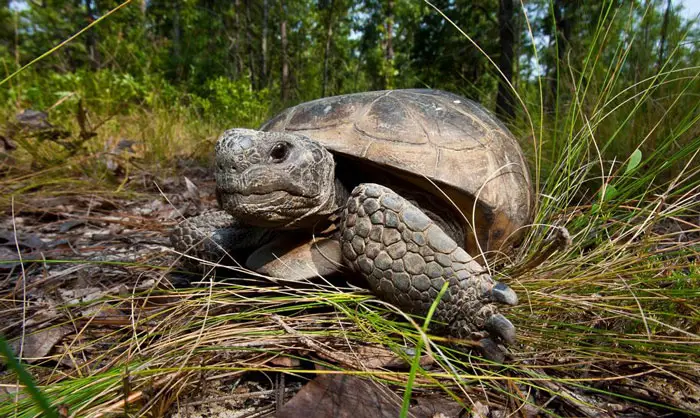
{"points": [[432, 134]]}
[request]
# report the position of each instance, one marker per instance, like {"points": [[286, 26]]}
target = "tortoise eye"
{"points": [[279, 152]]}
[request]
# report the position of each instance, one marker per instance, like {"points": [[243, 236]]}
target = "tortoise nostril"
{"points": [[230, 167]]}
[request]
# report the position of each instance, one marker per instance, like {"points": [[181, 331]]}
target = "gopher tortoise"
{"points": [[403, 188]]}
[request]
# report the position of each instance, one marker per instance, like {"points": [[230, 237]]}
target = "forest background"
{"points": [[235, 63]]}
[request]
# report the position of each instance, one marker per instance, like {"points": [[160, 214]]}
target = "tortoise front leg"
{"points": [[406, 258], [217, 237]]}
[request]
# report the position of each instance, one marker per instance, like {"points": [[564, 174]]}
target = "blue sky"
{"points": [[692, 8]]}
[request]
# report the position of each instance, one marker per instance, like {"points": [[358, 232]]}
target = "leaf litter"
{"points": [[92, 295]]}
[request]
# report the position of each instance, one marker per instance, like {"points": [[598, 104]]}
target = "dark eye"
{"points": [[279, 152]]}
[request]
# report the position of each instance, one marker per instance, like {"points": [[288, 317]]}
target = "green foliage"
{"points": [[219, 64], [634, 161], [228, 101], [104, 89], [179, 52]]}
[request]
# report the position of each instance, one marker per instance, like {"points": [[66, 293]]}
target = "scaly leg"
{"points": [[406, 258]]}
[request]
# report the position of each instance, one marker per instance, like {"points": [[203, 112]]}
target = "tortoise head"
{"points": [[274, 179]]}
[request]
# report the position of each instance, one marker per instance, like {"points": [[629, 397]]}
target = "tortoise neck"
{"points": [[341, 194], [324, 214]]}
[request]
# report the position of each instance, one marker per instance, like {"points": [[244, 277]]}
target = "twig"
{"points": [[262, 394], [133, 397], [322, 351], [558, 241], [575, 400]]}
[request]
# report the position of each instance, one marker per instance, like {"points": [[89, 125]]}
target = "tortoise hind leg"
{"points": [[406, 258]]}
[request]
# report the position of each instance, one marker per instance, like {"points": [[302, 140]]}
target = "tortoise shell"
{"points": [[445, 144]]}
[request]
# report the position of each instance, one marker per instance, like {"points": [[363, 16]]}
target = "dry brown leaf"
{"points": [[341, 396], [373, 357], [285, 361], [77, 295], [38, 344]]}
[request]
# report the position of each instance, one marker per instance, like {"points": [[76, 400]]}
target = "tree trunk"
{"points": [[285, 60], [505, 100], [517, 49], [91, 37], [390, 30], [327, 51], [389, 45], [664, 31], [563, 26], [250, 46], [263, 45], [235, 40], [177, 46], [640, 72]]}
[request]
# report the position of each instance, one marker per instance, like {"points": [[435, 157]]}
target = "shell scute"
{"points": [[452, 141]]}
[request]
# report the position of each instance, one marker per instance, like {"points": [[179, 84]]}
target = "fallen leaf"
{"points": [[342, 396], [373, 357], [7, 145], [8, 259], [38, 344], [86, 294], [192, 191], [285, 361], [479, 410], [70, 224], [33, 120], [24, 240]]}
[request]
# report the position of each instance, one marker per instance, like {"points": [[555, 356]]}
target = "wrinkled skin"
{"points": [[275, 182], [282, 181]]}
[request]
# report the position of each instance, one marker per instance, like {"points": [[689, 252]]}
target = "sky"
{"points": [[692, 8]]}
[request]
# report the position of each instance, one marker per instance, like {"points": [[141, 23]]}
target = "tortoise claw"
{"points": [[491, 350], [498, 325], [503, 294]]}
